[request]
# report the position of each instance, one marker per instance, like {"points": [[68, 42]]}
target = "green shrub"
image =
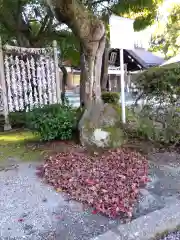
{"points": [[110, 97], [147, 130], [130, 116], [160, 125], [17, 119], [2, 122], [159, 83], [53, 121]]}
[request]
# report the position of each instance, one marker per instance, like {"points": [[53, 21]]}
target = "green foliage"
{"points": [[158, 125], [38, 30], [110, 97], [31, 23], [27, 23], [166, 38], [143, 12], [69, 47], [17, 119], [146, 127], [160, 84], [53, 121]]}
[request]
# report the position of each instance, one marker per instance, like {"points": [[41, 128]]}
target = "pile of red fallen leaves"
{"points": [[109, 183]]}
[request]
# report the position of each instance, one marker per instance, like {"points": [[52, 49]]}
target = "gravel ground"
{"points": [[172, 236], [32, 210]]}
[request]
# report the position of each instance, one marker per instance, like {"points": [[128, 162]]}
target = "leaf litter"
{"points": [[109, 183]]}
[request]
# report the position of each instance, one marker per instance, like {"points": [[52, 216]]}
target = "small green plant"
{"points": [[110, 97], [17, 119], [165, 233], [53, 121]]}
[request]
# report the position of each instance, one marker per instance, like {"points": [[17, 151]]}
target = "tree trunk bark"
{"points": [[83, 78], [92, 35], [92, 71], [104, 71], [64, 82]]}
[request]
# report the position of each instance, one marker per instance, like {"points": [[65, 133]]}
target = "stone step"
{"points": [[146, 227]]}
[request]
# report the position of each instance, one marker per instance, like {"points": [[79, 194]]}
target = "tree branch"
{"points": [[85, 25]]}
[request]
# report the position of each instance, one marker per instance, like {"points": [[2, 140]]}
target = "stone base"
{"points": [[101, 126]]}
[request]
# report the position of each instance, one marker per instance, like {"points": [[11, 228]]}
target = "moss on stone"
{"points": [[165, 233], [106, 117], [117, 136], [88, 125]]}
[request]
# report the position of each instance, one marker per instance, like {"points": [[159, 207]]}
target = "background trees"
{"points": [[166, 39], [26, 23], [32, 23]]}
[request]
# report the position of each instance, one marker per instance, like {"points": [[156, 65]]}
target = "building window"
{"points": [[113, 57]]}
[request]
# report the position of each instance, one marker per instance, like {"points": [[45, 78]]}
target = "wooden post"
{"points": [[57, 74], [7, 125]]}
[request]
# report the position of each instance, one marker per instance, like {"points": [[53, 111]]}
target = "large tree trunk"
{"points": [[64, 83], [104, 71], [83, 78], [91, 33], [92, 71]]}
